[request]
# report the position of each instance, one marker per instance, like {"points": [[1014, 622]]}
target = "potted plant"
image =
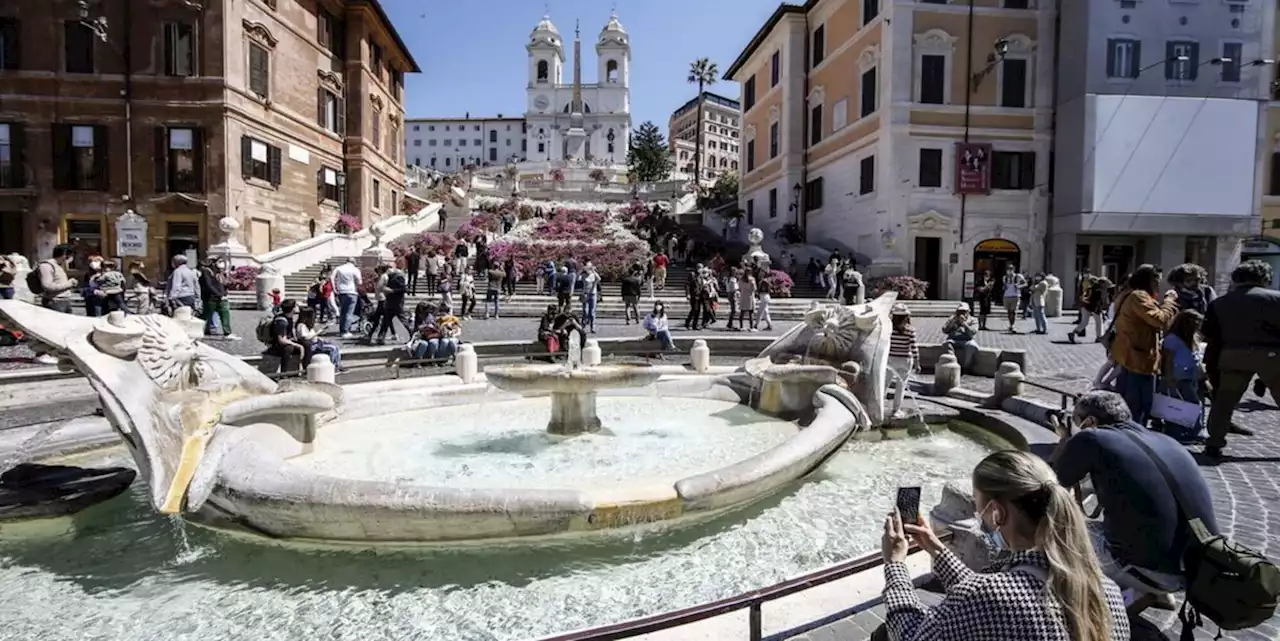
{"points": [[557, 176], [599, 176]]}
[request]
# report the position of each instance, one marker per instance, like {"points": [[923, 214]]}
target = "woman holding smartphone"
{"points": [[1049, 588]]}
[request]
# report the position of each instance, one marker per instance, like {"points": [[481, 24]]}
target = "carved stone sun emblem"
{"points": [[168, 355]]}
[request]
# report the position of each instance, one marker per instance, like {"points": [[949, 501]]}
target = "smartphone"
{"points": [[909, 504]]}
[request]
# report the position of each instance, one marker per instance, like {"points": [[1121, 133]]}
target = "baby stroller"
{"points": [[363, 326]]}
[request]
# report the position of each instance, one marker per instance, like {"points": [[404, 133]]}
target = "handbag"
{"points": [[1172, 409]]}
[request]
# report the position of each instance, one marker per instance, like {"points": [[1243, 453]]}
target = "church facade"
{"points": [[567, 119]]}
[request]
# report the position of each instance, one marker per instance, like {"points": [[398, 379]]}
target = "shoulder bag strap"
{"points": [[1169, 478]]}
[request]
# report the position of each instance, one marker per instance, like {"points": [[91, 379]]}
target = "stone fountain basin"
{"points": [[255, 489], [560, 379]]}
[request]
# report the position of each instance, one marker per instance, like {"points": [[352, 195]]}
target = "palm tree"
{"points": [[702, 72]]}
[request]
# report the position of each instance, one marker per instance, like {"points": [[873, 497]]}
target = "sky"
{"points": [[473, 58]]}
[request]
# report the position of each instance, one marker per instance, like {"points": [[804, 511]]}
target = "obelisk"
{"points": [[576, 136]]}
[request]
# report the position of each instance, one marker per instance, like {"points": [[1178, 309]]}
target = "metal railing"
{"points": [[1068, 398]]}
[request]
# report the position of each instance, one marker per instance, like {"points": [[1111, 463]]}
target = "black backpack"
{"points": [[1236, 587], [396, 282], [33, 279]]}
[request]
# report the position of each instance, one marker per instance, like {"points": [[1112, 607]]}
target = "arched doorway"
{"points": [[996, 255]]}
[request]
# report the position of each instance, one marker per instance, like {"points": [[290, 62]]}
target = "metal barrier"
{"points": [[1064, 395]]}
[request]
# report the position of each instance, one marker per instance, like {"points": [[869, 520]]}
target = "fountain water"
{"points": [[573, 386]]}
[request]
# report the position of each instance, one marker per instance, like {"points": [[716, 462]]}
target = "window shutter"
{"points": [[1194, 64], [342, 117], [170, 48], [1275, 175], [13, 43], [197, 158], [320, 106], [17, 154], [273, 164], [62, 160], [1027, 179], [1169, 63], [162, 159], [342, 192], [101, 163], [1136, 59], [320, 185], [1111, 60], [246, 156]]}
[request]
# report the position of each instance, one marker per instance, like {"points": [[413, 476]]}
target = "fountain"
{"points": [[662, 504], [574, 387]]}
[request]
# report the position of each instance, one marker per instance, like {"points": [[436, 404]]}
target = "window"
{"points": [[543, 70], [751, 155], [749, 94], [397, 83], [819, 45], [417, 143], [10, 44], [259, 70], [1182, 60], [394, 140], [326, 29], [179, 49], [331, 185], [775, 68], [477, 142], [542, 147], [773, 202], [611, 71], [751, 212], [259, 161], [870, 96], [1124, 58], [1275, 175], [1013, 82], [80, 153], [431, 127], [870, 9], [462, 142], [493, 154], [333, 112], [813, 194], [773, 140], [376, 125], [493, 136], [375, 59], [78, 47], [866, 175], [477, 128], [13, 172], [1231, 54], [1017, 4], [815, 125], [417, 160], [839, 114], [1013, 170], [179, 160], [933, 79], [1128, 4], [376, 187], [930, 168]]}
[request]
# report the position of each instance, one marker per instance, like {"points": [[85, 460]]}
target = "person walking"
{"points": [[493, 292], [660, 263], [1242, 340], [1092, 307], [213, 295], [1013, 285], [53, 286], [434, 262], [590, 296], [766, 296], [347, 280], [394, 286], [183, 286], [412, 266], [984, 291], [748, 290], [1039, 288], [1140, 319]]}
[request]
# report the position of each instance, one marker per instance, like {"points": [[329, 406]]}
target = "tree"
{"points": [[723, 192], [648, 157], [702, 72]]}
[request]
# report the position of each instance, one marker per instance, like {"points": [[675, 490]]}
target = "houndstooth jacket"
{"points": [[1003, 603]]}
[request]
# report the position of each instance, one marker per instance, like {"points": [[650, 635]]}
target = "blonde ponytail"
{"points": [[1075, 575]]}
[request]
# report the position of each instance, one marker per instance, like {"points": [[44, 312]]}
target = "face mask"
{"points": [[995, 540], [95, 265]]}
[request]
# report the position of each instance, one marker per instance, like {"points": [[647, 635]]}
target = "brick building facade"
{"points": [[278, 113]]}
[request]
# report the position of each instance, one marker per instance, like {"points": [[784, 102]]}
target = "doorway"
{"points": [[13, 233], [1117, 262], [182, 239], [928, 264], [995, 255]]}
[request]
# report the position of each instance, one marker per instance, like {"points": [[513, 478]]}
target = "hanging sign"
{"points": [[973, 168], [131, 235]]}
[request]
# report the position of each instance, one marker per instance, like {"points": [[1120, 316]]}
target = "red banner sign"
{"points": [[973, 168]]}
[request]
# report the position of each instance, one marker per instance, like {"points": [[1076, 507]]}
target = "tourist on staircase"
{"points": [[851, 289], [766, 297], [1025, 512], [631, 288], [732, 279], [461, 253], [658, 325], [412, 265], [434, 263], [307, 330], [213, 294], [467, 292], [660, 263], [493, 291], [746, 295], [347, 281], [590, 283], [563, 287], [509, 277], [392, 285]]}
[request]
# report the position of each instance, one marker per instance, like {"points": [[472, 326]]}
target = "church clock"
{"points": [[541, 102]]}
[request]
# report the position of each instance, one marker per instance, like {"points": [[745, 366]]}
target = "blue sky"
{"points": [[473, 58]]}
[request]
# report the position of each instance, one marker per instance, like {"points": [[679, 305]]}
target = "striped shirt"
{"points": [[902, 343]]}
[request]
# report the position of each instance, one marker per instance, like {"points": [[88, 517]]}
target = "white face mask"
{"points": [[95, 265]]}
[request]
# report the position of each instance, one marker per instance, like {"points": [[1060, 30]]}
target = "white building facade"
{"points": [[452, 144], [721, 123], [574, 120]]}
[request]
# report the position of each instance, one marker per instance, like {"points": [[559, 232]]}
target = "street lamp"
{"points": [[999, 50]]}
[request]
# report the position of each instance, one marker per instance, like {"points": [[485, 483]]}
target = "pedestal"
{"points": [[376, 255], [573, 414], [591, 354], [1053, 297], [465, 363], [700, 356], [1008, 383], [268, 279], [321, 370], [946, 374]]}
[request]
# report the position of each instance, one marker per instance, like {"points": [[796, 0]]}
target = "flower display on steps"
{"points": [[779, 283], [242, 279], [348, 224], [908, 288]]}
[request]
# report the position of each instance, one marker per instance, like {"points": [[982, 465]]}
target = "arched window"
{"points": [[734, 165], [724, 162], [542, 71], [611, 71]]}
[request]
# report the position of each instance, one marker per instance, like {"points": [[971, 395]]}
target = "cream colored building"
{"points": [[1266, 245], [853, 112], [721, 138]]}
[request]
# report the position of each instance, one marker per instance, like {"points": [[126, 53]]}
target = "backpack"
{"points": [[1235, 586], [313, 293], [33, 280], [396, 283], [263, 331]]}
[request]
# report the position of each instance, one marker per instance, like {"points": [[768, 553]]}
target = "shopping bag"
{"points": [[1174, 410]]}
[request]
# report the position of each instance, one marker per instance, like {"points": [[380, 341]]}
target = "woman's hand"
{"points": [[893, 545], [922, 535]]}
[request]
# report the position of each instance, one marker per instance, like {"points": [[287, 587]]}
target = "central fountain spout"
{"points": [[572, 385]]}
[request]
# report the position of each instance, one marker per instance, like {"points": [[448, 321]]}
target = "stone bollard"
{"points": [[1008, 383], [465, 363], [591, 354], [1018, 356], [700, 356], [188, 321], [321, 369], [946, 374], [1053, 297]]}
